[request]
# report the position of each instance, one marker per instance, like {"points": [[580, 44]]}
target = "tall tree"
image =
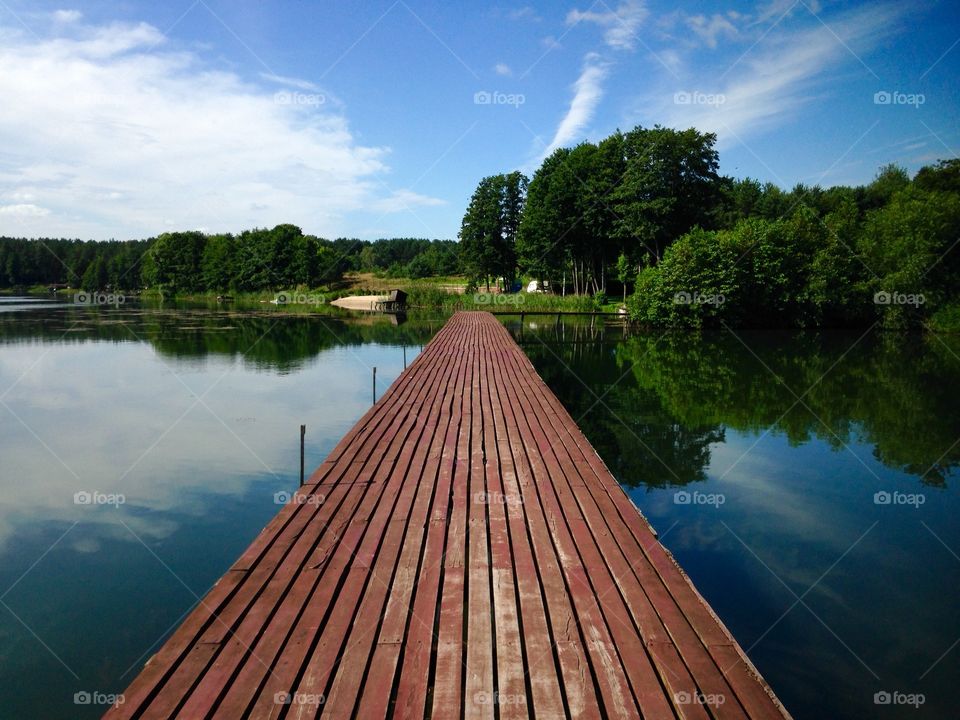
{"points": [[489, 228], [670, 185]]}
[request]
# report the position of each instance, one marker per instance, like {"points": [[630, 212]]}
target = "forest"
{"points": [[194, 262], [647, 215], [644, 217]]}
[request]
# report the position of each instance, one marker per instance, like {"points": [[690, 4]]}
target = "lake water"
{"points": [[141, 450], [807, 483]]}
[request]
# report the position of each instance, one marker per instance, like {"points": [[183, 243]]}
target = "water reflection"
{"points": [[192, 419], [806, 482], [684, 391]]}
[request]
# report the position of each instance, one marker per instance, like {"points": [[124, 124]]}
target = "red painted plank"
{"points": [[471, 556]]}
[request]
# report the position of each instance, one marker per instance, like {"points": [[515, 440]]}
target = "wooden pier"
{"points": [[462, 553]]}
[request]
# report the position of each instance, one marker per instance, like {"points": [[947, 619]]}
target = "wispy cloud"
{"points": [[289, 81], [710, 29], [67, 16], [502, 69], [401, 200], [775, 9], [523, 13], [621, 24], [777, 77], [109, 112], [587, 93]]}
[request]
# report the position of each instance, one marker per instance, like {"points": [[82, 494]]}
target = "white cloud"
{"points": [[23, 210], [400, 200], [524, 13], [710, 29], [67, 16], [107, 112], [621, 24], [502, 69], [587, 93]]}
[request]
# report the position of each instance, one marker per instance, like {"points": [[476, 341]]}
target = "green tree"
{"points": [[670, 184], [550, 221], [910, 247], [489, 228], [176, 262], [95, 277]]}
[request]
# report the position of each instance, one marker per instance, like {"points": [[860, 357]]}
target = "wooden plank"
{"points": [[280, 614], [463, 551], [511, 695], [412, 690], [386, 655]]}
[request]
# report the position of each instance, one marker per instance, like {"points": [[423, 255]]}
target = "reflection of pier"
{"points": [[462, 552]]}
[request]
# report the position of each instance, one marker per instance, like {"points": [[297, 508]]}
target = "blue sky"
{"points": [[376, 119]]}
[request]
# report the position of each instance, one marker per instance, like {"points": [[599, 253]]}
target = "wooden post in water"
{"points": [[404, 357], [374, 385], [303, 432]]}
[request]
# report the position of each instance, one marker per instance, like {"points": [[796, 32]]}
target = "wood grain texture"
{"points": [[462, 553]]}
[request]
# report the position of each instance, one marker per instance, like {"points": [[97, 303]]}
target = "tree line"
{"points": [[648, 210], [253, 260]]}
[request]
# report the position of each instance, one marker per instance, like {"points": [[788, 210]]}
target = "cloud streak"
{"points": [[777, 78], [587, 93]]}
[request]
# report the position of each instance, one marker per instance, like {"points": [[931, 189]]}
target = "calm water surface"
{"points": [[193, 418], [758, 457], [806, 483]]}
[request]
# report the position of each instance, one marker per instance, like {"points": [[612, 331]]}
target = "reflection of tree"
{"points": [[265, 341], [894, 392], [641, 443], [887, 390]]}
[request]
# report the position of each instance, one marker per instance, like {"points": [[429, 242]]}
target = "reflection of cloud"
{"points": [[101, 406]]}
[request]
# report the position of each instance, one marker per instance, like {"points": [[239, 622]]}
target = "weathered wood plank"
{"points": [[463, 551]]}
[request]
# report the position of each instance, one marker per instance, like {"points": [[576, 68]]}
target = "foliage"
{"points": [[489, 229]]}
